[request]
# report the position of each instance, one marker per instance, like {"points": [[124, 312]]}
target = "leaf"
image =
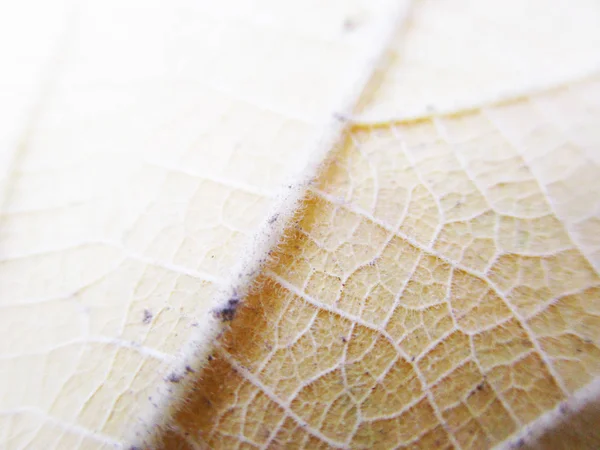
{"points": [[171, 278]]}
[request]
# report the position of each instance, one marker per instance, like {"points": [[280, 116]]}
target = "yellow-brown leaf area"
{"points": [[578, 431], [438, 290]]}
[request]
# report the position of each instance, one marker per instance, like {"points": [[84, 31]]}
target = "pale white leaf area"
{"points": [[404, 196]]}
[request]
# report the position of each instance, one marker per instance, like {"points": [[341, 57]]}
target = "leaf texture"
{"points": [[452, 320], [145, 157], [437, 285]]}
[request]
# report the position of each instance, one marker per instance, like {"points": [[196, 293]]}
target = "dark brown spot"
{"points": [[350, 24], [174, 377], [340, 117], [147, 316], [227, 313]]}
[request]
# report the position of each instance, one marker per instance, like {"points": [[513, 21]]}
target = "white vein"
{"points": [[522, 321], [121, 343], [383, 333], [68, 427], [275, 399], [228, 183]]}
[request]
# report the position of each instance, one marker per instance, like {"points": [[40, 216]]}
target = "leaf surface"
{"points": [[435, 286]]}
